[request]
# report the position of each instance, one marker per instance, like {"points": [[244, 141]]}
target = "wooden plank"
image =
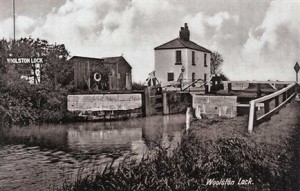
{"points": [[262, 82], [248, 105], [277, 108], [267, 97]]}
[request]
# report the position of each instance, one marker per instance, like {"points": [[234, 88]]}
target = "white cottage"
{"points": [[181, 60]]}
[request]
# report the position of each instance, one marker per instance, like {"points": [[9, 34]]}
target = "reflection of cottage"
{"points": [[181, 60], [111, 73]]}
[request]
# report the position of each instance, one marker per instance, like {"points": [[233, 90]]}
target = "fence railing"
{"points": [[260, 86], [286, 95]]}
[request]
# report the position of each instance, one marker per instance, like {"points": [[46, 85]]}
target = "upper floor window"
{"points": [[178, 57], [170, 77], [205, 64], [193, 58]]}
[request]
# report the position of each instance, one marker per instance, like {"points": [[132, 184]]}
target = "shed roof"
{"points": [[109, 60]]}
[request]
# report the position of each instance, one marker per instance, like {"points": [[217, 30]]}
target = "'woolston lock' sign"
{"points": [[104, 102], [24, 60]]}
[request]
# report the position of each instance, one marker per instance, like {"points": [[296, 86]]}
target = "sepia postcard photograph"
{"points": [[146, 95]]}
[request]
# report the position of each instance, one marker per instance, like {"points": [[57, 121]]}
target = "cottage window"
{"points": [[193, 58], [205, 65], [205, 76], [178, 57], [170, 77]]}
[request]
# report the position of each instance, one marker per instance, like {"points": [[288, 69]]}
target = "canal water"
{"points": [[90, 145]]}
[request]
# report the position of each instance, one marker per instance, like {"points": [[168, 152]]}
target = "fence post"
{"points": [[283, 96], [258, 90], [229, 87], [206, 89], [252, 116], [276, 101], [144, 103], [267, 106]]}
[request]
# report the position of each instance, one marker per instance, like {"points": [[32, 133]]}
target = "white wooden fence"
{"points": [[286, 94]]}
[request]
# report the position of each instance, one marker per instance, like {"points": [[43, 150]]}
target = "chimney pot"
{"points": [[184, 33]]}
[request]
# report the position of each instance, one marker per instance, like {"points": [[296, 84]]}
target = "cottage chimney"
{"points": [[184, 33]]}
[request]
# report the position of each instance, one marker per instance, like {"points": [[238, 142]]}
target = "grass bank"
{"points": [[215, 150]]}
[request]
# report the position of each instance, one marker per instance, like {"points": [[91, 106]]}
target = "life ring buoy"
{"points": [[97, 77]]}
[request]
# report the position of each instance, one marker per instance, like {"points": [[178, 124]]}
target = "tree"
{"points": [[56, 70], [216, 62], [24, 103]]}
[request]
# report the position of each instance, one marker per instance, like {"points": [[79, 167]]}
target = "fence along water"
{"points": [[286, 93]]}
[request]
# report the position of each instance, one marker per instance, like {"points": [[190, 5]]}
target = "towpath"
{"points": [[289, 117]]}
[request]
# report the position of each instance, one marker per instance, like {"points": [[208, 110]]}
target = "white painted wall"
{"points": [[165, 62], [199, 69]]}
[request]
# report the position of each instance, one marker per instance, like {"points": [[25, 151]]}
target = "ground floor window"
{"points": [[170, 77]]}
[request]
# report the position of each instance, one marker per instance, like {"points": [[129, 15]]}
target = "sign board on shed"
{"points": [[215, 105], [104, 102]]}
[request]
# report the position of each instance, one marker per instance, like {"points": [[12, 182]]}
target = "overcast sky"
{"points": [[259, 39]]}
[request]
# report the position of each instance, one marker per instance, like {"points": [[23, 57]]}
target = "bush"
{"points": [[22, 103], [137, 86], [178, 102]]}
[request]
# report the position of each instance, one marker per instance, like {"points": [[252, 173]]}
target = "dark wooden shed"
{"points": [[110, 73]]}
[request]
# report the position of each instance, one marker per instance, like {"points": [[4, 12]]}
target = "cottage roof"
{"points": [[180, 43], [108, 60]]}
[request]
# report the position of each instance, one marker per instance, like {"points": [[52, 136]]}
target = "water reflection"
{"points": [[120, 137], [165, 130], [95, 144]]}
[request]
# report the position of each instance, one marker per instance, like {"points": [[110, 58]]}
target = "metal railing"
{"points": [[194, 82], [286, 93]]}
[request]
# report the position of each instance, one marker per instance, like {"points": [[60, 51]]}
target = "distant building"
{"points": [[110, 73], [181, 59]]}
